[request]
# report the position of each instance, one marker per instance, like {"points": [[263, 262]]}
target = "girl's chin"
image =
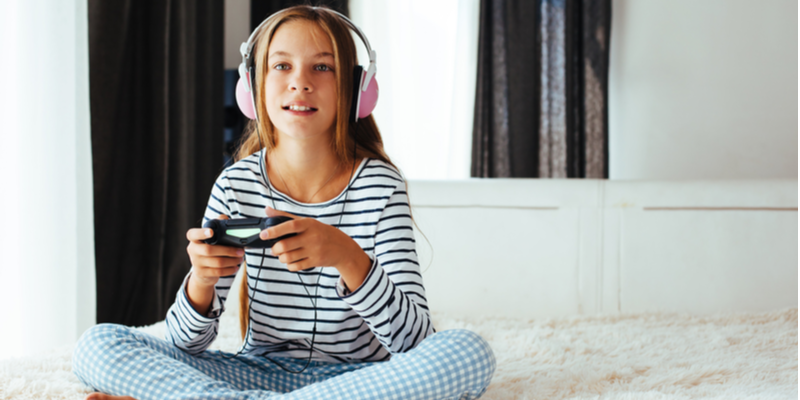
{"points": [[303, 132]]}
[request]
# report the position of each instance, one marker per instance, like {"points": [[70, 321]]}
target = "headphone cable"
{"points": [[313, 299]]}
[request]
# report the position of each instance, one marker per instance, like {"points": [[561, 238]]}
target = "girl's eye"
{"points": [[323, 68], [281, 67]]}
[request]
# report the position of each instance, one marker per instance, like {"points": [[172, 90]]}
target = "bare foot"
{"points": [[103, 396]]}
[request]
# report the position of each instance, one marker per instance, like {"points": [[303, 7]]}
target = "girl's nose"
{"points": [[304, 88], [300, 83]]}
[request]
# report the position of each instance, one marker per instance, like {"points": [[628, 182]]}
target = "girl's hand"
{"points": [[317, 245], [210, 262]]}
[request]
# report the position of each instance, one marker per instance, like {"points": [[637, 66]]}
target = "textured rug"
{"points": [[643, 356]]}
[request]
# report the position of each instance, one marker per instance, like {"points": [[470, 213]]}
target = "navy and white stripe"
{"points": [[388, 314]]}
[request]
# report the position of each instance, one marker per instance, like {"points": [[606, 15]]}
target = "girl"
{"points": [[366, 330]]}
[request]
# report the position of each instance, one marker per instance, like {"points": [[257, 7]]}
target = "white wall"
{"points": [[703, 89], [532, 248], [425, 117]]}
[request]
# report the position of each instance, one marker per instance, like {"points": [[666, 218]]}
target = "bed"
{"points": [[615, 290], [625, 356]]}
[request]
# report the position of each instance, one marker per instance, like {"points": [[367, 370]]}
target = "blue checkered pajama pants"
{"points": [[122, 361]]}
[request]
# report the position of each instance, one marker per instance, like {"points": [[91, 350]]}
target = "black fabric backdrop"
{"points": [[541, 104], [261, 9], [156, 73]]}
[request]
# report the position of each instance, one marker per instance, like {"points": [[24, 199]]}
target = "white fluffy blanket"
{"points": [[644, 356]]}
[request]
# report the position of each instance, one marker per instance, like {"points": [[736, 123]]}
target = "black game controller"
{"points": [[244, 232]]}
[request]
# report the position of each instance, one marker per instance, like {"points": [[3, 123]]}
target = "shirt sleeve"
{"points": [[187, 329], [392, 297]]}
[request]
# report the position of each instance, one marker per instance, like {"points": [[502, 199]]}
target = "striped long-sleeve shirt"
{"points": [[387, 314]]}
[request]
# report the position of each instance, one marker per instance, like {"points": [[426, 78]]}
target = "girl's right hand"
{"points": [[210, 262]]}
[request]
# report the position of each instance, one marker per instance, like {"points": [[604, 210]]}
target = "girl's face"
{"points": [[301, 83]]}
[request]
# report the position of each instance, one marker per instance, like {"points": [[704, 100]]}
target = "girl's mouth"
{"points": [[297, 108]]}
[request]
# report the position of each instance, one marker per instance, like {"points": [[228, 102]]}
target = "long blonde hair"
{"points": [[365, 133]]}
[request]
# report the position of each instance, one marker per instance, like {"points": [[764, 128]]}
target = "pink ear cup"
{"points": [[369, 98], [245, 100]]}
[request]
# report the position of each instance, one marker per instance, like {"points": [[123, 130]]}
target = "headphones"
{"points": [[365, 90]]}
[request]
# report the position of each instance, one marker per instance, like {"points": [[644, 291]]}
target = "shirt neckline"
{"points": [[290, 200]]}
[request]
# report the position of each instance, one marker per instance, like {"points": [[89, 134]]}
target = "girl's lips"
{"points": [[300, 113], [298, 106]]}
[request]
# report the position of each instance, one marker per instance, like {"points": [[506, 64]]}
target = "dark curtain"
{"points": [[156, 71], [261, 9], [541, 106]]}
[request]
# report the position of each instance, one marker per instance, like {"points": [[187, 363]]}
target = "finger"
{"points": [[271, 212], [209, 250], [198, 234], [286, 245], [217, 262], [300, 265], [293, 256], [222, 216], [217, 272], [293, 226]]}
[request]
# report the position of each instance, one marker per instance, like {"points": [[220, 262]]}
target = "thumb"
{"points": [[222, 216], [271, 212]]}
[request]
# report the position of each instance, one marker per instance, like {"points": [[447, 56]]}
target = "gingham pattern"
{"points": [[115, 359]]}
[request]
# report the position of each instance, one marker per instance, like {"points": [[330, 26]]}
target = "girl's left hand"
{"points": [[317, 245]]}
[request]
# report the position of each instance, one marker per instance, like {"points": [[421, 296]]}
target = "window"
{"points": [[427, 68]]}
